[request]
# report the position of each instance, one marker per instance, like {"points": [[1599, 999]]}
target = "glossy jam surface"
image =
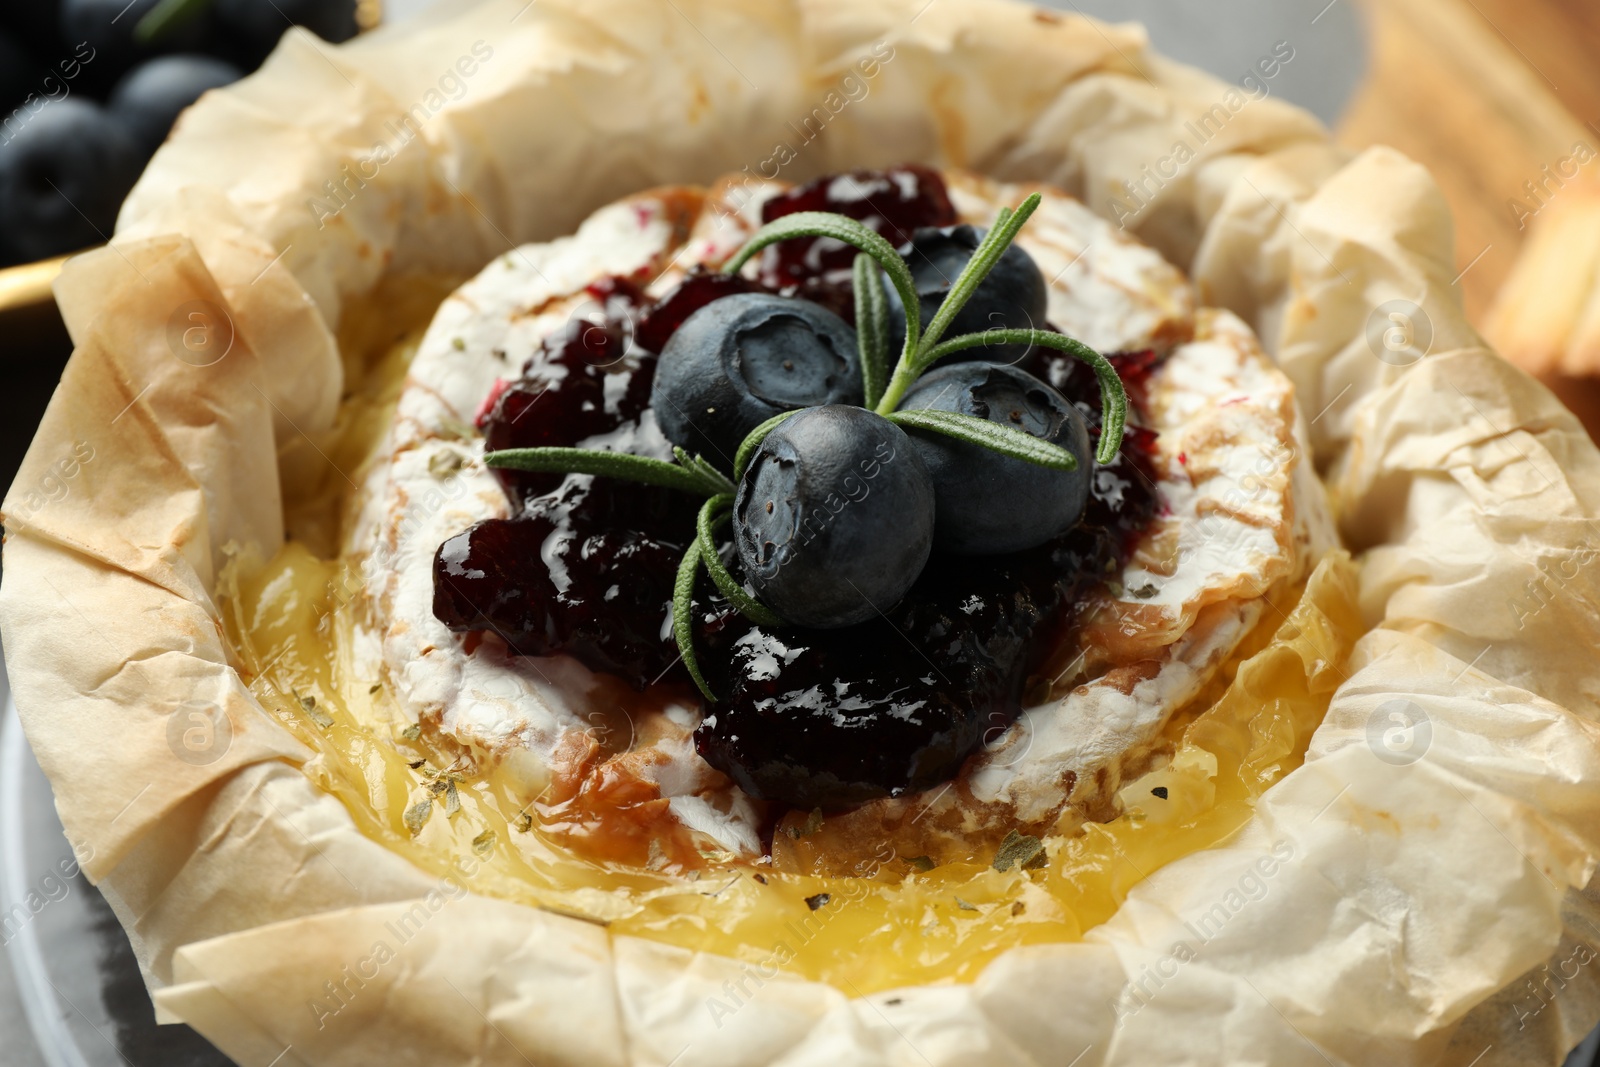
{"points": [[588, 385], [1122, 499], [549, 583], [658, 323], [894, 202]]}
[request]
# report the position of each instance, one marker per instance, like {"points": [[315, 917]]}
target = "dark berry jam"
{"points": [[819, 718], [549, 581], [587, 386], [585, 567], [697, 290], [831, 718], [893, 202]]}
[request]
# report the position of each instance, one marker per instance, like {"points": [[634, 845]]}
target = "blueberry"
{"points": [[62, 178], [37, 25], [260, 23], [1011, 296], [740, 360], [149, 98], [107, 27], [19, 75], [986, 502], [834, 517]]}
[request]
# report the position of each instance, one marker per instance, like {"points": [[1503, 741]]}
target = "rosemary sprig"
{"points": [[994, 244], [683, 616], [915, 361], [872, 327], [922, 350]]}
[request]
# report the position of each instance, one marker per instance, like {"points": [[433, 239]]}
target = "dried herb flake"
{"points": [[443, 464], [318, 716], [812, 824], [417, 816], [1021, 851]]}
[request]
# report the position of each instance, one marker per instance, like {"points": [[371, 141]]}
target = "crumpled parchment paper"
{"points": [[1414, 894]]}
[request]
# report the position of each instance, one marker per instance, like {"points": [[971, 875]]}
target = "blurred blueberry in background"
{"points": [[148, 98], [63, 174], [90, 88]]}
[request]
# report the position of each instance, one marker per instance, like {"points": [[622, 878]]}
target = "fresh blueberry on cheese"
{"points": [[986, 502], [834, 517], [1012, 296], [740, 360]]}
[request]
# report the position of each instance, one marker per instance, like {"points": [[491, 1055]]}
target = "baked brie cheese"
{"points": [[505, 646]]}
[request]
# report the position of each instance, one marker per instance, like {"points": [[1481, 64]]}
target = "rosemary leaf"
{"points": [[1113, 398], [416, 816], [714, 513], [984, 257], [752, 441], [702, 467], [683, 616], [1021, 851], [610, 465], [991, 435], [872, 328]]}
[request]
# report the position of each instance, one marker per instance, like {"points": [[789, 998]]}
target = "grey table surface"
{"points": [[17, 1048]]}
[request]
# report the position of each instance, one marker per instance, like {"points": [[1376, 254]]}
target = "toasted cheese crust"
{"points": [[1230, 528]]}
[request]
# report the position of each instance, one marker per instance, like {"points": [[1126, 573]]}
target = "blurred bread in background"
{"points": [[1546, 316]]}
